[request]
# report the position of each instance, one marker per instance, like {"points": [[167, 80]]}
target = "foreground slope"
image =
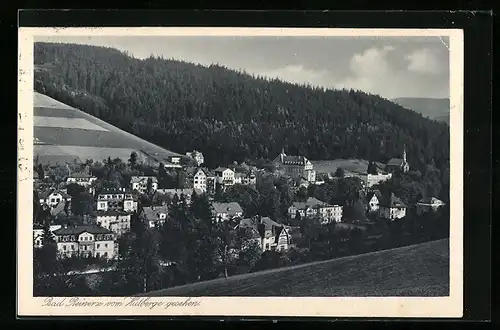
{"points": [[63, 134], [418, 270]]}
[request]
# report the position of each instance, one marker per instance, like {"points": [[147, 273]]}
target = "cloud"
{"points": [[384, 70], [298, 74], [424, 61], [371, 72]]}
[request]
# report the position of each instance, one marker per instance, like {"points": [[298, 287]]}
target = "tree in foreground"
{"points": [[339, 173]]}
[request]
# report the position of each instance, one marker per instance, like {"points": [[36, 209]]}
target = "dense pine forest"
{"points": [[234, 116]]}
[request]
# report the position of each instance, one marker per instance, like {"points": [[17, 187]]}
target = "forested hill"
{"points": [[229, 115]]}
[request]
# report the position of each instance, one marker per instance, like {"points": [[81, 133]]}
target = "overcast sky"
{"points": [[388, 66]]}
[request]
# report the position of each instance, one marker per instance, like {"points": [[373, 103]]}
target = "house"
{"points": [[174, 160], [295, 166], [249, 179], [371, 180], [82, 179], [154, 216], [200, 180], [314, 207], [197, 156], [238, 177], [429, 204], [118, 200], [86, 241], [167, 195], [140, 183], [226, 211], [38, 234], [53, 197], [225, 176], [211, 184], [373, 201], [116, 221], [398, 163], [391, 208], [270, 235], [245, 178]]}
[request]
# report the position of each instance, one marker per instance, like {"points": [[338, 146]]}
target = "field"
{"points": [[63, 133], [350, 165], [78, 123], [418, 270]]}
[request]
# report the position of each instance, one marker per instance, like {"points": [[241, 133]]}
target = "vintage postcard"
{"points": [[240, 172]]}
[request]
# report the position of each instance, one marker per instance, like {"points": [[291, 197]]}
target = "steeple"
{"points": [[404, 154]]}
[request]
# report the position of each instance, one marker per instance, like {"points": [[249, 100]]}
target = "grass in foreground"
{"points": [[418, 270]]}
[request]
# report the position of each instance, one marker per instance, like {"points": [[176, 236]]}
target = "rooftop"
{"points": [[81, 175], [136, 179], [111, 213], [152, 212], [231, 207], [46, 193], [392, 201], [187, 191], [269, 227], [395, 162], [77, 230], [222, 169], [377, 193], [430, 200], [311, 202]]}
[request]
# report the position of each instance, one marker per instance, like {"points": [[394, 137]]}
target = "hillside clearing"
{"points": [[68, 134], [73, 123], [40, 100], [351, 165], [417, 270]]}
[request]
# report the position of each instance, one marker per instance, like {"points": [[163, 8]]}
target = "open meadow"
{"points": [[63, 133], [349, 165]]}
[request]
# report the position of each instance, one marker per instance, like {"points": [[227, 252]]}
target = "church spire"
{"points": [[404, 153]]}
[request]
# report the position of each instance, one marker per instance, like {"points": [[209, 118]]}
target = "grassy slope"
{"points": [[418, 270], [437, 109], [114, 138], [330, 166]]}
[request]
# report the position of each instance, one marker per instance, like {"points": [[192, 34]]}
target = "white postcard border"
{"points": [[400, 307]]}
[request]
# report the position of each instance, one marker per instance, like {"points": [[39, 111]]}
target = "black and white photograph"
{"points": [[229, 164]]}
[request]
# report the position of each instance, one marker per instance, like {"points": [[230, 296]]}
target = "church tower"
{"points": [[282, 154], [406, 166]]}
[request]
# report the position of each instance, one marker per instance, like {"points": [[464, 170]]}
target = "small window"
{"points": [[72, 247], [64, 247], [97, 254], [106, 245]]}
